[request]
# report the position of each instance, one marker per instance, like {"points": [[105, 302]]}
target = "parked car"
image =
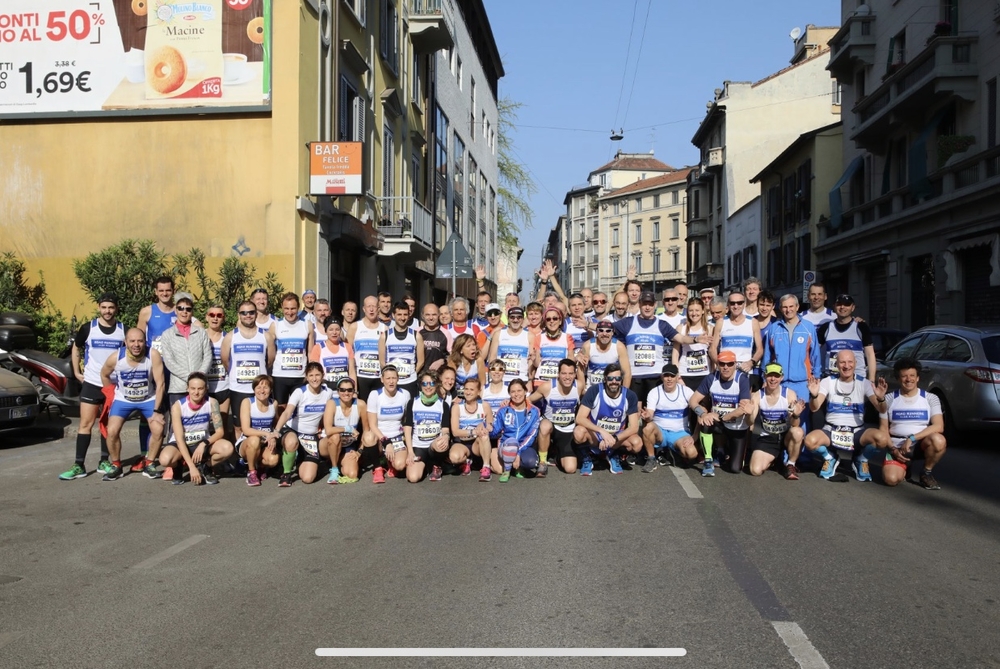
{"points": [[961, 365], [19, 401], [884, 339]]}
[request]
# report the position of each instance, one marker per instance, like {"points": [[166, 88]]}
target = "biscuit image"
{"points": [[166, 70], [255, 30], [139, 7]]}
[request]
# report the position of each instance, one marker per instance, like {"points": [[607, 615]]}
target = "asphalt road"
{"points": [[739, 572]]}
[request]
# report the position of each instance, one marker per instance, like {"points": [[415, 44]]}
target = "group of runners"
{"points": [[741, 382]]}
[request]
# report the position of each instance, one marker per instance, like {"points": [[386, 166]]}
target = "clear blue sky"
{"points": [[565, 61]]}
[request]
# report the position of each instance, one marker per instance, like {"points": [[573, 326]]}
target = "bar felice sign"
{"points": [[335, 168]]}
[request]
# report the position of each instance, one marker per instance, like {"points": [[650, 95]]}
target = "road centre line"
{"points": [[799, 645], [686, 483], [170, 552]]}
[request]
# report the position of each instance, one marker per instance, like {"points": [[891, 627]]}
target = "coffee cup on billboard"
{"points": [[235, 67], [135, 66]]}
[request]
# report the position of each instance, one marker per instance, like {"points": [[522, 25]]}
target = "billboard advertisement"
{"points": [[97, 57], [336, 168]]}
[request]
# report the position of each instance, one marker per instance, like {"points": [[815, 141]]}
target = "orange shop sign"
{"points": [[335, 168]]}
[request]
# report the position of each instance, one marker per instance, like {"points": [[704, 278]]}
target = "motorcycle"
{"points": [[52, 376]]}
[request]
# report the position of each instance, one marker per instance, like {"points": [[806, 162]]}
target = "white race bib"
{"points": [[368, 364], [645, 355], [292, 360], [842, 438], [697, 362], [247, 371], [310, 444]]}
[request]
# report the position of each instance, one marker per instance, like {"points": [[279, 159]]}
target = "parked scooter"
{"points": [[52, 376]]}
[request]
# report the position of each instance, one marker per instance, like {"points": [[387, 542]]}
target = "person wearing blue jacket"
{"points": [[515, 427], [793, 344]]}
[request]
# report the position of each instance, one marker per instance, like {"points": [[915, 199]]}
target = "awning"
{"points": [[392, 102], [836, 200], [953, 280]]}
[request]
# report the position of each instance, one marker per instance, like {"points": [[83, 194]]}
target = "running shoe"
{"points": [[334, 476], [75, 472], [928, 481], [115, 473], [151, 471], [436, 473], [587, 468], [665, 458], [252, 479], [104, 466], [708, 469], [829, 467], [466, 469], [630, 459], [543, 469], [791, 472], [346, 479], [139, 465], [285, 481], [861, 473], [485, 475], [390, 473], [615, 463], [650, 465], [505, 476], [168, 474], [378, 475], [208, 476]]}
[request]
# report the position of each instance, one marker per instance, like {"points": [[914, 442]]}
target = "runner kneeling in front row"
{"points": [[776, 418], [515, 428], [562, 399], [728, 390], [471, 421], [300, 427], [426, 430], [666, 413], [199, 434], [607, 422], [386, 407], [344, 421], [258, 445]]}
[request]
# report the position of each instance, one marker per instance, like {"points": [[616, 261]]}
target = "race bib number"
{"points": [[334, 375], [135, 390], [549, 369], [512, 365], [292, 360], [247, 371], [832, 365], [842, 438], [595, 378], [404, 367], [697, 362], [563, 418], [309, 443], [369, 365], [427, 431], [608, 424], [194, 436], [396, 443], [645, 355], [216, 371], [723, 409], [157, 345], [773, 426]]}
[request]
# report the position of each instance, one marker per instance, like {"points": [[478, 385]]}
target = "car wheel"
{"points": [[951, 432]]}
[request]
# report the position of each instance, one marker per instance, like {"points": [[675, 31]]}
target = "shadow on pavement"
{"points": [[45, 429]]}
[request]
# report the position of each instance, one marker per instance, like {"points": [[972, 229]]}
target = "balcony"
{"points": [[853, 43], [697, 228], [432, 25], [948, 66], [707, 275], [406, 226], [716, 157]]}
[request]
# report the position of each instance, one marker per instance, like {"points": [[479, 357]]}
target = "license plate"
{"points": [[19, 413]]}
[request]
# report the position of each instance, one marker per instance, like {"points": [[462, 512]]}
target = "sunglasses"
{"points": [[727, 364], [670, 299], [736, 304], [183, 309], [599, 302], [515, 317], [427, 384], [605, 329], [346, 390], [552, 320], [216, 315], [248, 313], [613, 379]]}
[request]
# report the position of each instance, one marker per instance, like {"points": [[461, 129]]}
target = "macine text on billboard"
{"points": [[95, 57]]}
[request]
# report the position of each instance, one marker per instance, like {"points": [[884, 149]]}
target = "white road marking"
{"points": [[686, 483], [799, 645], [170, 552], [501, 652]]}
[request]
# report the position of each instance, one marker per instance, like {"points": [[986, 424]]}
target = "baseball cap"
{"points": [[647, 297], [727, 356], [773, 368], [605, 324], [493, 306], [183, 297], [308, 291], [670, 369], [844, 298], [514, 311], [108, 297]]}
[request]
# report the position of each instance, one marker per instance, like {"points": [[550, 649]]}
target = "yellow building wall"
{"points": [[69, 188]]}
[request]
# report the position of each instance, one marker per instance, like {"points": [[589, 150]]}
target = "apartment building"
{"points": [[745, 126], [644, 225], [914, 227]]}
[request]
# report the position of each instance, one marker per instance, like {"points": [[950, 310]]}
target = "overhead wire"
{"points": [[628, 52], [638, 58]]}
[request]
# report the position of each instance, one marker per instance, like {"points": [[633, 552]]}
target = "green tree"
{"points": [[516, 185], [17, 294]]}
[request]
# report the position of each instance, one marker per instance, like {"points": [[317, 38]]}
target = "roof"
{"points": [[677, 176], [576, 190], [793, 147], [635, 162], [823, 49]]}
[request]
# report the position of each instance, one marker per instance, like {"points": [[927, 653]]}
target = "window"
{"points": [[417, 94], [803, 196], [359, 8], [440, 168], [656, 201], [656, 262], [958, 350], [638, 234], [415, 176], [583, 231], [675, 227], [949, 14], [675, 260], [615, 271], [595, 229], [899, 150], [656, 231], [472, 109], [352, 113], [638, 264], [458, 71], [486, 128], [837, 90], [614, 237], [616, 209], [859, 84], [933, 347], [991, 113], [905, 349], [388, 35], [388, 169], [459, 177], [675, 197], [581, 211], [604, 177], [638, 204]]}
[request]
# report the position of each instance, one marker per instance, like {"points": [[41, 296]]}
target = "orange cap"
{"points": [[727, 356]]}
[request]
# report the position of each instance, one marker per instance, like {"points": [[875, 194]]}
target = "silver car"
{"points": [[961, 365], [19, 404]]}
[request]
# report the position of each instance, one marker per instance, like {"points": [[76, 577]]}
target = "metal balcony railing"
{"points": [[402, 217]]}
